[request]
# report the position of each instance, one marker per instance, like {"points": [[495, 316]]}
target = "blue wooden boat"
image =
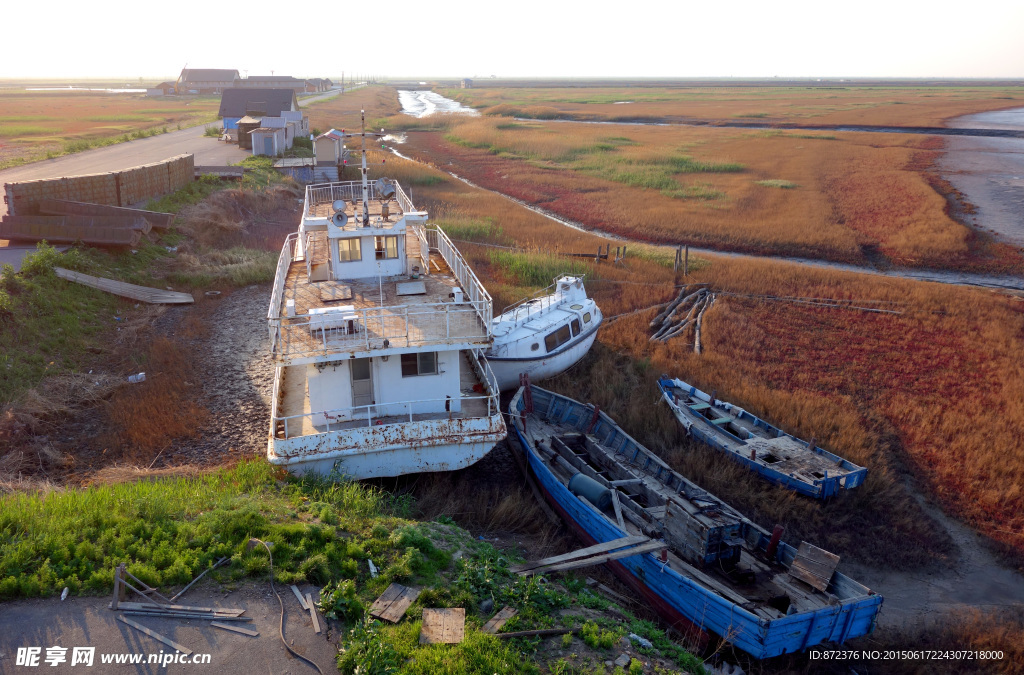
{"points": [[718, 572], [757, 445]]}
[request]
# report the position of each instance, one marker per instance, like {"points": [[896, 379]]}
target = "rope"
{"points": [[280, 628]]}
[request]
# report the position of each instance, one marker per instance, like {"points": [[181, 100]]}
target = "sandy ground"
{"points": [[88, 622], [990, 173]]}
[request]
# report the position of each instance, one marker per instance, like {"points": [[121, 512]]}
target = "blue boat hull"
{"points": [[681, 601]]}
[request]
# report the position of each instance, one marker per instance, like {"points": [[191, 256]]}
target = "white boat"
{"points": [[377, 327], [544, 334]]}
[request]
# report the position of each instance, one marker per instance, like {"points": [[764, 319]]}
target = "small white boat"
{"points": [[544, 334]]}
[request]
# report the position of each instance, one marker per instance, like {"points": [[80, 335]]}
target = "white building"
{"points": [[377, 324]]}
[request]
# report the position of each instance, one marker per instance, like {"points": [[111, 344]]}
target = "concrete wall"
{"points": [[121, 188]]}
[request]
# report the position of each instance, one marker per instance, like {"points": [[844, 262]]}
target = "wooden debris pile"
{"points": [[685, 311]]}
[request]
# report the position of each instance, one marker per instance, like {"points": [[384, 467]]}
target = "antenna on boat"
{"points": [[366, 187]]}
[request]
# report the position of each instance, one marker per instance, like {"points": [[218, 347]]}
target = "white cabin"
{"points": [[377, 325]]}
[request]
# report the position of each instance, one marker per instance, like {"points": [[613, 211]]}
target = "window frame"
{"points": [[358, 246], [419, 366], [557, 338], [385, 251]]}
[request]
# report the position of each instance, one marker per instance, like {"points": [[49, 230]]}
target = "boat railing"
{"points": [[328, 193], [284, 261], [525, 308], [371, 328], [438, 241]]}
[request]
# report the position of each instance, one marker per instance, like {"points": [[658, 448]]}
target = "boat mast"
{"points": [[366, 186]]}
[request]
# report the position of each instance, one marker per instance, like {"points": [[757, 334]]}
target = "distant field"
{"points": [[851, 197], [900, 106], [39, 124]]}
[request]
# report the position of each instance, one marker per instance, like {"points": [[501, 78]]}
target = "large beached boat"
{"points": [[717, 571], [377, 327], [544, 334]]}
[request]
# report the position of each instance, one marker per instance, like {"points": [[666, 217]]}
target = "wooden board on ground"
{"points": [[393, 602], [141, 293], [443, 626], [498, 620], [334, 290], [312, 613], [180, 608], [236, 629], [579, 553], [814, 566], [156, 636], [302, 600]]}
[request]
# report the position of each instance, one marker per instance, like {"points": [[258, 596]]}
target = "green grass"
{"points": [[122, 117], [193, 193], [238, 266], [484, 231], [538, 269], [47, 325], [700, 192], [15, 130], [27, 118], [777, 183]]}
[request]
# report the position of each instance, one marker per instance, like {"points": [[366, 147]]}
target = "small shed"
{"points": [[246, 126], [328, 148], [466, 83], [268, 141], [162, 89], [300, 119]]}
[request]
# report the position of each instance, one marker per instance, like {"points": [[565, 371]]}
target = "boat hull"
{"points": [[735, 448], [507, 370], [390, 450], [679, 599]]}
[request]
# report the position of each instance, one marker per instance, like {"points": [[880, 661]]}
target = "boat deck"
{"points": [[294, 400], [354, 211], [377, 309]]}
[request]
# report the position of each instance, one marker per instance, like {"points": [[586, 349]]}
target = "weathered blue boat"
{"points": [[718, 572], [757, 445]]}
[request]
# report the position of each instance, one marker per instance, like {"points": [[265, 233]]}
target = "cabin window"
{"points": [[423, 363], [557, 339], [535, 346], [575, 327], [349, 250], [586, 318], [386, 247]]}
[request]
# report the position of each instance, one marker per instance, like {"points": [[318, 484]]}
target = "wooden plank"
{"points": [[498, 620], [156, 636], [312, 613], [302, 600], [236, 629], [618, 509], [140, 293], [183, 615], [626, 482], [598, 559], [814, 566], [180, 608], [393, 602], [443, 626], [590, 550], [544, 632]]}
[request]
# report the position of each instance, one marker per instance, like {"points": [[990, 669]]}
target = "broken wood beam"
{"points": [[590, 550], [312, 613], [156, 636], [236, 629], [618, 509], [598, 559], [539, 633], [185, 615], [302, 600]]}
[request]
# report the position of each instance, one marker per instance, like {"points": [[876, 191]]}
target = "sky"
{"points": [[129, 40]]}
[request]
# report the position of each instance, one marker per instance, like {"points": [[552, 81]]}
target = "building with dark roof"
{"points": [[274, 82], [236, 103], [206, 80]]}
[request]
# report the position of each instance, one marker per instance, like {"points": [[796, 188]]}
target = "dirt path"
{"points": [[975, 579], [229, 338]]}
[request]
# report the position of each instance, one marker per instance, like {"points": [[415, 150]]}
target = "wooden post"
{"points": [[598, 258], [675, 261], [686, 262]]}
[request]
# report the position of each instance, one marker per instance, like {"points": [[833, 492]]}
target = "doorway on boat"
{"points": [[362, 382]]}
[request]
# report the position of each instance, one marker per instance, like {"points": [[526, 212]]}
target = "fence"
{"points": [[119, 188]]}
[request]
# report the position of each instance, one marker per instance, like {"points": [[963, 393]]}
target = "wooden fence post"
{"points": [[686, 262]]}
